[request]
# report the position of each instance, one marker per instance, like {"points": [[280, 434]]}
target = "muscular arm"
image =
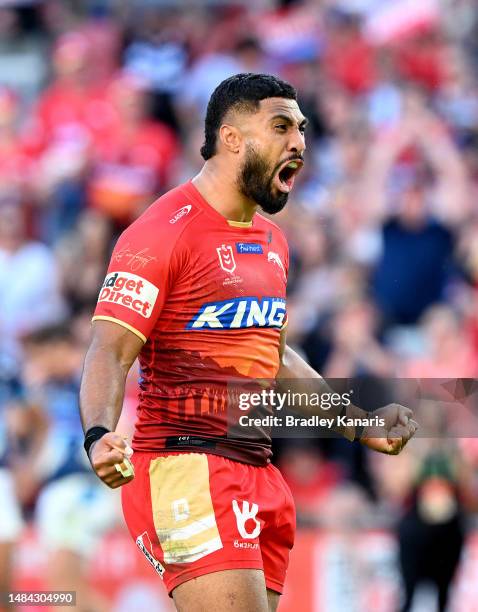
{"points": [[452, 191], [108, 360], [297, 372], [398, 427]]}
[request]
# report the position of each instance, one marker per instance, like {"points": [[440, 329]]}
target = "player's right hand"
{"points": [[109, 457]]}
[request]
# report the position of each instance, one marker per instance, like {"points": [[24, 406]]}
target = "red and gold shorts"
{"points": [[193, 513]]}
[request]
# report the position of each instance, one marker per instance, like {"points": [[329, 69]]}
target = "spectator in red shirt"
{"points": [[70, 115], [15, 164], [421, 60], [311, 478], [448, 349], [134, 159], [349, 59]]}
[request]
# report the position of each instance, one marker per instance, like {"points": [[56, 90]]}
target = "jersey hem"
{"points": [[257, 460], [274, 585], [122, 323]]}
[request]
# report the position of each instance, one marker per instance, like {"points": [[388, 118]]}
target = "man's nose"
{"points": [[296, 143]]}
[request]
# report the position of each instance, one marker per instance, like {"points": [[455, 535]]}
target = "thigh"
{"points": [[277, 536], [186, 513], [273, 600], [239, 590]]}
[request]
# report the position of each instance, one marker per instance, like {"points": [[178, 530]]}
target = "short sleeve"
{"points": [[138, 279]]}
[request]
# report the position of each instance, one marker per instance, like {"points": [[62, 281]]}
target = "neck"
{"points": [[217, 183]]}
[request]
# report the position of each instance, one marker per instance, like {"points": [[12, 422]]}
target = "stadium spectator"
{"points": [[11, 521], [356, 351], [311, 478], [29, 274], [70, 114], [134, 158], [15, 164], [80, 256], [418, 220], [447, 351], [210, 69], [72, 509], [431, 531], [23, 58]]}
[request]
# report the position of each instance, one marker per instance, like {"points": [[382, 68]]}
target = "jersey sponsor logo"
{"points": [[246, 515], [238, 313], [274, 258], [249, 247], [226, 258], [179, 214], [131, 291], [249, 545], [147, 550]]}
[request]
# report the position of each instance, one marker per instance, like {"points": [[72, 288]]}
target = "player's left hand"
{"points": [[391, 437]]}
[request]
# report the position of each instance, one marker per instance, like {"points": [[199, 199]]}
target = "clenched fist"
{"points": [[110, 459], [391, 437]]}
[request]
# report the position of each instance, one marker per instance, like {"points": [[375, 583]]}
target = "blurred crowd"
{"points": [[101, 110]]}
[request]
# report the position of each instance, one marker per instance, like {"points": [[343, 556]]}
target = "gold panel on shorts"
{"points": [[183, 513]]}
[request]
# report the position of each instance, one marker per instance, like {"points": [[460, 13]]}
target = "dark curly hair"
{"points": [[242, 91]]}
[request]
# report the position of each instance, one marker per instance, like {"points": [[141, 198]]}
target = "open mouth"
{"points": [[285, 177]]}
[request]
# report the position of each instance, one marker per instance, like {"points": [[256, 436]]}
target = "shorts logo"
{"points": [[226, 258], [252, 248], [182, 212], [147, 551], [248, 513], [238, 313], [131, 291], [248, 545], [274, 258]]}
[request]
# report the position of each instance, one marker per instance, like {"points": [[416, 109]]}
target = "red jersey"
{"points": [[207, 296]]}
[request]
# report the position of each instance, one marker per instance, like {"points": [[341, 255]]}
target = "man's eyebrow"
{"points": [[288, 119]]}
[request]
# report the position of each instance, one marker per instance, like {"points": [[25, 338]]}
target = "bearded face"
{"points": [[268, 187]]}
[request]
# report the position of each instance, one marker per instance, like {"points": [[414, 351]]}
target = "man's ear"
{"points": [[230, 137]]}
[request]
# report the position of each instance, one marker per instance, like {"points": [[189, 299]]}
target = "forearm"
{"points": [[451, 185], [299, 377], [379, 163], [102, 388]]}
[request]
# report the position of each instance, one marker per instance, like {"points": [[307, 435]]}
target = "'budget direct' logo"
{"points": [[131, 291], [237, 313]]}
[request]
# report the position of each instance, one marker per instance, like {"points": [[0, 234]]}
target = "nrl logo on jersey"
{"points": [[238, 313], [226, 258]]}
